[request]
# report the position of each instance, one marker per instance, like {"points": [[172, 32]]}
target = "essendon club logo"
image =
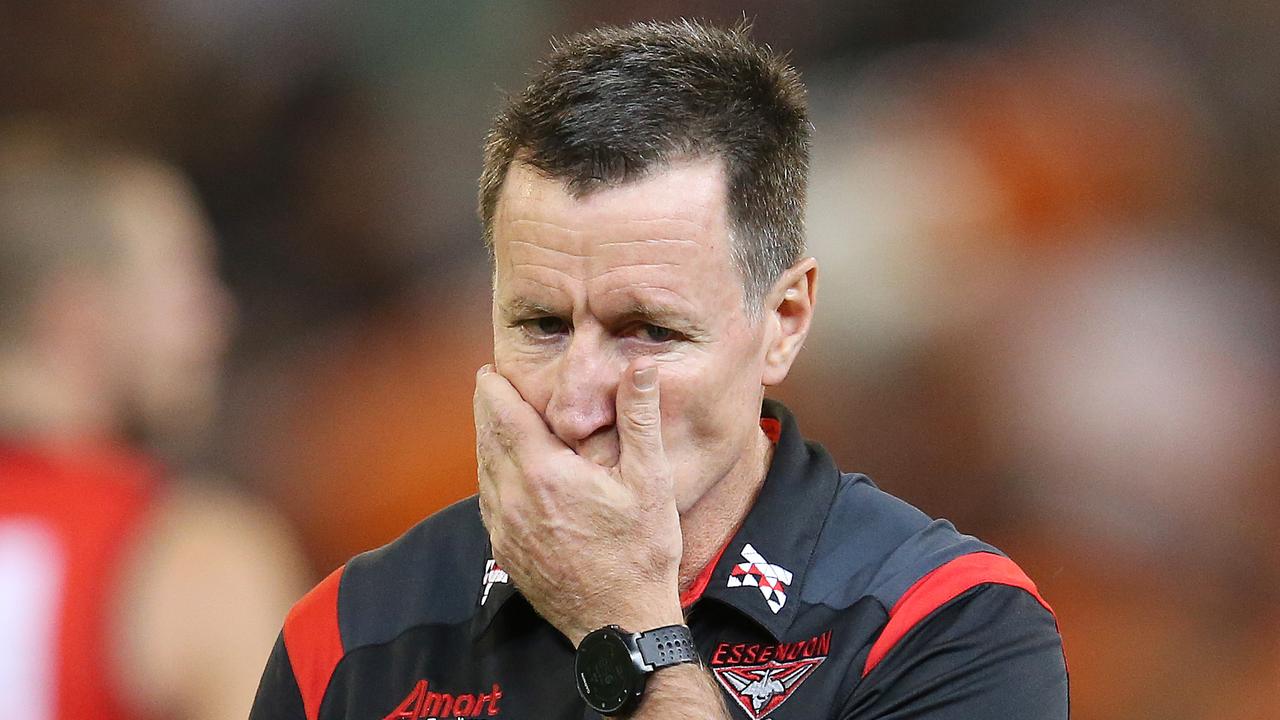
{"points": [[762, 676], [424, 703], [772, 580]]}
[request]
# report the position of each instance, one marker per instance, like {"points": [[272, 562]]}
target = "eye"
{"points": [[656, 333], [545, 326]]}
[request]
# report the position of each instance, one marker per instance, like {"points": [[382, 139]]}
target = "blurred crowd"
{"points": [[1048, 297]]}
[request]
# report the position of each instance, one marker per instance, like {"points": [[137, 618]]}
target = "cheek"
{"points": [[703, 405], [531, 375], [704, 430]]}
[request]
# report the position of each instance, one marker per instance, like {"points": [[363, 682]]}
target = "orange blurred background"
{"points": [[1048, 302]]}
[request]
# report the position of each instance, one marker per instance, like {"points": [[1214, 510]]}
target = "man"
{"points": [[644, 531], [124, 592]]}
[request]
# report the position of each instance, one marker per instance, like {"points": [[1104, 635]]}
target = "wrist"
{"points": [[612, 666], [646, 619], [641, 612]]}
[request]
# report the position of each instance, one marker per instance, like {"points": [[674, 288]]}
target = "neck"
{"points": [[713, 519]]}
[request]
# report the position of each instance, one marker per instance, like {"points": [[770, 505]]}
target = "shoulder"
{"points": [[878, 547], [952, 612], [873, 544], [422, 577], [209, 577], [419, 578], [431, 574], [993, 650]]}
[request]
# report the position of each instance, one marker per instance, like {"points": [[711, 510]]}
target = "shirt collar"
{"points": [[762, 568]]}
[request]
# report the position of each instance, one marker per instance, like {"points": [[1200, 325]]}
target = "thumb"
{"points": [[639, 419]]}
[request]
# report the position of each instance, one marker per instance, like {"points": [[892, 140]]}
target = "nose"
{"points": [[586, 386]]}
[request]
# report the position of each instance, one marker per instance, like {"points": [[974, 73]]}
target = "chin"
{"points": [[689, 491]]}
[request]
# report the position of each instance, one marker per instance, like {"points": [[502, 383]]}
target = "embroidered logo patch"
{"points": [[492, 576], [760, 689], [756, 572]]}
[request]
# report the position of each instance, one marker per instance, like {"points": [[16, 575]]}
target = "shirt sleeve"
{"points": [[992, 652], [278, 695]]}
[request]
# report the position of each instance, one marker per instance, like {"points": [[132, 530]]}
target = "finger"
{"points": [[492, 464], [486, 502], [493, 458], [505, 421], [639, 420]]}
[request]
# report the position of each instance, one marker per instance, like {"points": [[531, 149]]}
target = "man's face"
{"points": [[582, 286]]}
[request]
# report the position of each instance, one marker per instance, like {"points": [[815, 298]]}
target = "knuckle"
{"points": [[644, 417], [502, 414], [485, 463], [485, 434], [501, 426]]}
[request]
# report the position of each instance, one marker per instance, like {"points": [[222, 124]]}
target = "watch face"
{"points": [[606, 673]]}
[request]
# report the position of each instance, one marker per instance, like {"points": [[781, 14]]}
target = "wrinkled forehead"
{"points": [[675, 217]]}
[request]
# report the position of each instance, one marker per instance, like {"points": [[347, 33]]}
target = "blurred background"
{"points": [[1047, 311]]}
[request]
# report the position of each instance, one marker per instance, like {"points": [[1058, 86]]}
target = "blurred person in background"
{"points": [[643, 199], [127, 590]]}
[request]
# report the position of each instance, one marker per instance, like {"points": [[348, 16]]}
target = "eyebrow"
{"points": [[652, 313], [524, 306], [664, 316]]}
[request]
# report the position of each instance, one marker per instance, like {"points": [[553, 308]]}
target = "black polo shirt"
{"points": [[832, 600]]}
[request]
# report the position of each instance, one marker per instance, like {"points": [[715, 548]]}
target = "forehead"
{"points": [[666, 228]]}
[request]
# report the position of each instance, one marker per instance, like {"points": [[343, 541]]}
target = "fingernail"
{"points": [[484, 370], [646, 377]]}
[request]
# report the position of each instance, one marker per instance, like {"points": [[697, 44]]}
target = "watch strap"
{"points": [[666, 646]]}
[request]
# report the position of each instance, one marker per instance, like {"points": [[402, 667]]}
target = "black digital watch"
{"points": [[612, 665]]}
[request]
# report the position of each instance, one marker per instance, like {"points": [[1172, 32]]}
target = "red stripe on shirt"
{"points": [[941, 586], [314, 643], [771, 427]]}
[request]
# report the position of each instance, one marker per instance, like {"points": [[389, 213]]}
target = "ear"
{"points": [[789, 308]]}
